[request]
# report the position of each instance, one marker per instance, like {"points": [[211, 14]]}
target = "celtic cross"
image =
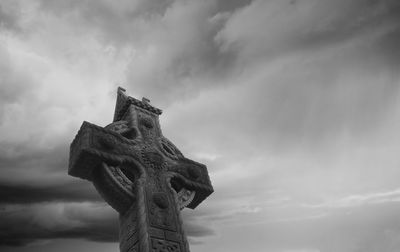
{"points": [[141, 174]]}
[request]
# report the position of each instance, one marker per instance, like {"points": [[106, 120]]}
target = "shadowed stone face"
{"points": [[141, 174]]}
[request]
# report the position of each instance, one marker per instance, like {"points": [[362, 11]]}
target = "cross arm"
{"points": [[94, 145], [193, 176]]}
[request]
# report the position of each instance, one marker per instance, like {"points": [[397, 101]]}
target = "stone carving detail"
{"points": [[129, 231], [185, 197], [165, 246], [123, 129], [170, 149], [119, 126], [123, 180], [147, 123], [161, 213], [161, 200], [153, 158], [141, 174], [147, 127]]}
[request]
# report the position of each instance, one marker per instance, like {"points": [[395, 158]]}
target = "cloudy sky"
{"points": [[292, 104]]}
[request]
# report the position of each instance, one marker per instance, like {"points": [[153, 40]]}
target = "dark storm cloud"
{"points": [[32, 174], [21, 225], [100, 232], [76, 191]]}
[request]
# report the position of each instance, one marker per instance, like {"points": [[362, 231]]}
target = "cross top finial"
{"points": [[145, 100], [124, 101]]}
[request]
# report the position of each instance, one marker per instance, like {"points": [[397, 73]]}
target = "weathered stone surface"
{"points": [[141, 174]]}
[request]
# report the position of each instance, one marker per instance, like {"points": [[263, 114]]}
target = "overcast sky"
{"points": [[293, 105]]}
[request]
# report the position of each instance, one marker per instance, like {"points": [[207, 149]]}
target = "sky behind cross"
{"points": [[293, 105]]}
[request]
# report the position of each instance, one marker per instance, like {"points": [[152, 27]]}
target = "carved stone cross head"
{"points": [[141, 174]]}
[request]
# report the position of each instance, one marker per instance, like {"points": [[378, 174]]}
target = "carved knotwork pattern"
{"points": [[147, 126], [120, 197], [118, 126], [165, 246], [161, 200], [123, 128], [153, 158], [143, 111], [161, 214], [170, 149], [128, 231], [190, 170], [115, 144], [121, 178], [184, 198]]}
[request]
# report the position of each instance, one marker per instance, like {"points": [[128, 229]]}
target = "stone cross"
{"points": [[141, 174]]}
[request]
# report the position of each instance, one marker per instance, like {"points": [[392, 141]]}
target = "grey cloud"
{"points": [[290, 107], [114, 24], [232, 5], [14, 83], [193, 230], [119, 23], [387, 49], [106, 9], [303, 25], [184, 55], [194, 226], [321, 97], [307, 97], [177, 39], [9, 16], [364, 229], [341, 20], [27, 154]]}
